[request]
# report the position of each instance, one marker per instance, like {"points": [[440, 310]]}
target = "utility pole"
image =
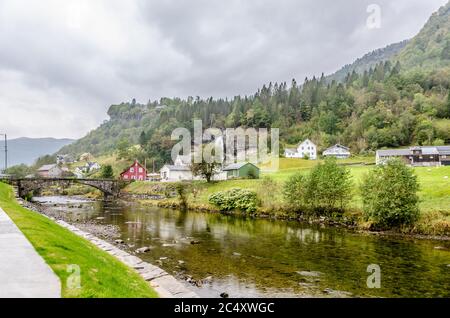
{"points": [[6, 151]]}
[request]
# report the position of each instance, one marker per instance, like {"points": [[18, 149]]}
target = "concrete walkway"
{"points": [[23, 272]]}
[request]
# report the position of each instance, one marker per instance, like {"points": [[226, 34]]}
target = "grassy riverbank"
{"points": [[102, 276], [434, 193]]}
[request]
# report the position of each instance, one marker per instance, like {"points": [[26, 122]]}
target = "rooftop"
{"points": [[46, 167], [236, 166]]}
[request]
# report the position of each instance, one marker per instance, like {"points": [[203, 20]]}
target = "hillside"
{"points": [[430, 49], [370, 60], [27, 150], [393, 97]]}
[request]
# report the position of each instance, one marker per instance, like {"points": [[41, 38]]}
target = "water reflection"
{"points": [[258, 258]]}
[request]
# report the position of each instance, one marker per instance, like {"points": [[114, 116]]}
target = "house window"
{"points": [[140, 170], [131, 169]]}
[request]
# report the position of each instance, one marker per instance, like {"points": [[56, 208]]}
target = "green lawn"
{"points": [[102, 275]]}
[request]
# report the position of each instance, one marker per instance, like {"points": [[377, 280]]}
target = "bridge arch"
{"points": [[110, 188]]}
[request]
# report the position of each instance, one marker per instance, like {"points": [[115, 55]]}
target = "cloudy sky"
{"points": [[62, 63]]}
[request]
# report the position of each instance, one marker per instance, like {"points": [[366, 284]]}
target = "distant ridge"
{"points": [[27, 150], [368, 60]]}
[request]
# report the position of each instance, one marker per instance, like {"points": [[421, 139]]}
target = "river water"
{"points": [[244, 257]]}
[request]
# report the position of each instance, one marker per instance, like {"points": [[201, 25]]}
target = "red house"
{"points": [[135, 172]]}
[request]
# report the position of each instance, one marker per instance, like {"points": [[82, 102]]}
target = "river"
{"points": [[246, 257]]}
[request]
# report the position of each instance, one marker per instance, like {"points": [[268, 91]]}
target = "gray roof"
{"points": [[237, 166], [177, 168], [393, 152], [426, 150], [338, 146], [443, 150], [46, 167]]}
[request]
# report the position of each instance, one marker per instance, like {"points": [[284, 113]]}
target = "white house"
{"points": [[305, 149], [173, 173], [337, 151], [179, 171]]}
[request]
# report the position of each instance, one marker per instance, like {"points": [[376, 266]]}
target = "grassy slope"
{"points": [[101, 274]]}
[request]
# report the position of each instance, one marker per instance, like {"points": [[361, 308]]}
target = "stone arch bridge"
{"points": [[110, 188]]}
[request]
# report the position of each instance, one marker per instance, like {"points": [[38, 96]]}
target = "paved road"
{"points": [[23, 272]]}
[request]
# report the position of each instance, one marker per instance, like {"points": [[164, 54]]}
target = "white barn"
{"points": [[173, 173], [305, 149], [179, 171], [337, 151]]}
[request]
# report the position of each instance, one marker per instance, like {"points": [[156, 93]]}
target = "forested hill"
{"points": [[404, 100], [430, 49]]}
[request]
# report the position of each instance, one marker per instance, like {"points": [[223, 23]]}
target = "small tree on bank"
{"points": [[389, 194], [327, 188], [107, 172], [205, 169]]}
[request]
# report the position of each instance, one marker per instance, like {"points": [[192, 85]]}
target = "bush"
{"points": [[180, 188], [235, 199], [294, 190], [389, 194], [328, 188], [267, 192]]}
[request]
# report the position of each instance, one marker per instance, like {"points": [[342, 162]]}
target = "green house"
{"points": [[242, 170]]}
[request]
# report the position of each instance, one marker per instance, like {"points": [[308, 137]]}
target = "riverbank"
{"points": [[434, 196], [101, 275]]}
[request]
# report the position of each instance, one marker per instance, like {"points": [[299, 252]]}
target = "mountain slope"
{"points": [[430, 48], [369, 60], [27, 150]]}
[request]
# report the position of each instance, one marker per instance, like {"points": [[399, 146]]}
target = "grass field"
{"points": [[102, 276]]}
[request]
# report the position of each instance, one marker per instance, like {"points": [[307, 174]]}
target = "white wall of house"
{"points": [[305, 149], [170, 175]]}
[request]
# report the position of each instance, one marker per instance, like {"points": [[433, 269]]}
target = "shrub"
{"points": [[180, 189], [267, 192], [294, 190], [236, 198], [328, 188], [389, 194]]}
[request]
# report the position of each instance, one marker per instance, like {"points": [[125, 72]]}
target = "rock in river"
{"points": [[309, 273], [144, 249]]}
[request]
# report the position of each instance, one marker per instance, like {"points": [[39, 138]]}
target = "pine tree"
{"points": [[142, 138], [448, 105]]}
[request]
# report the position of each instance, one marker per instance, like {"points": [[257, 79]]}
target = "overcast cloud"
{"points": [[62, 63]]}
